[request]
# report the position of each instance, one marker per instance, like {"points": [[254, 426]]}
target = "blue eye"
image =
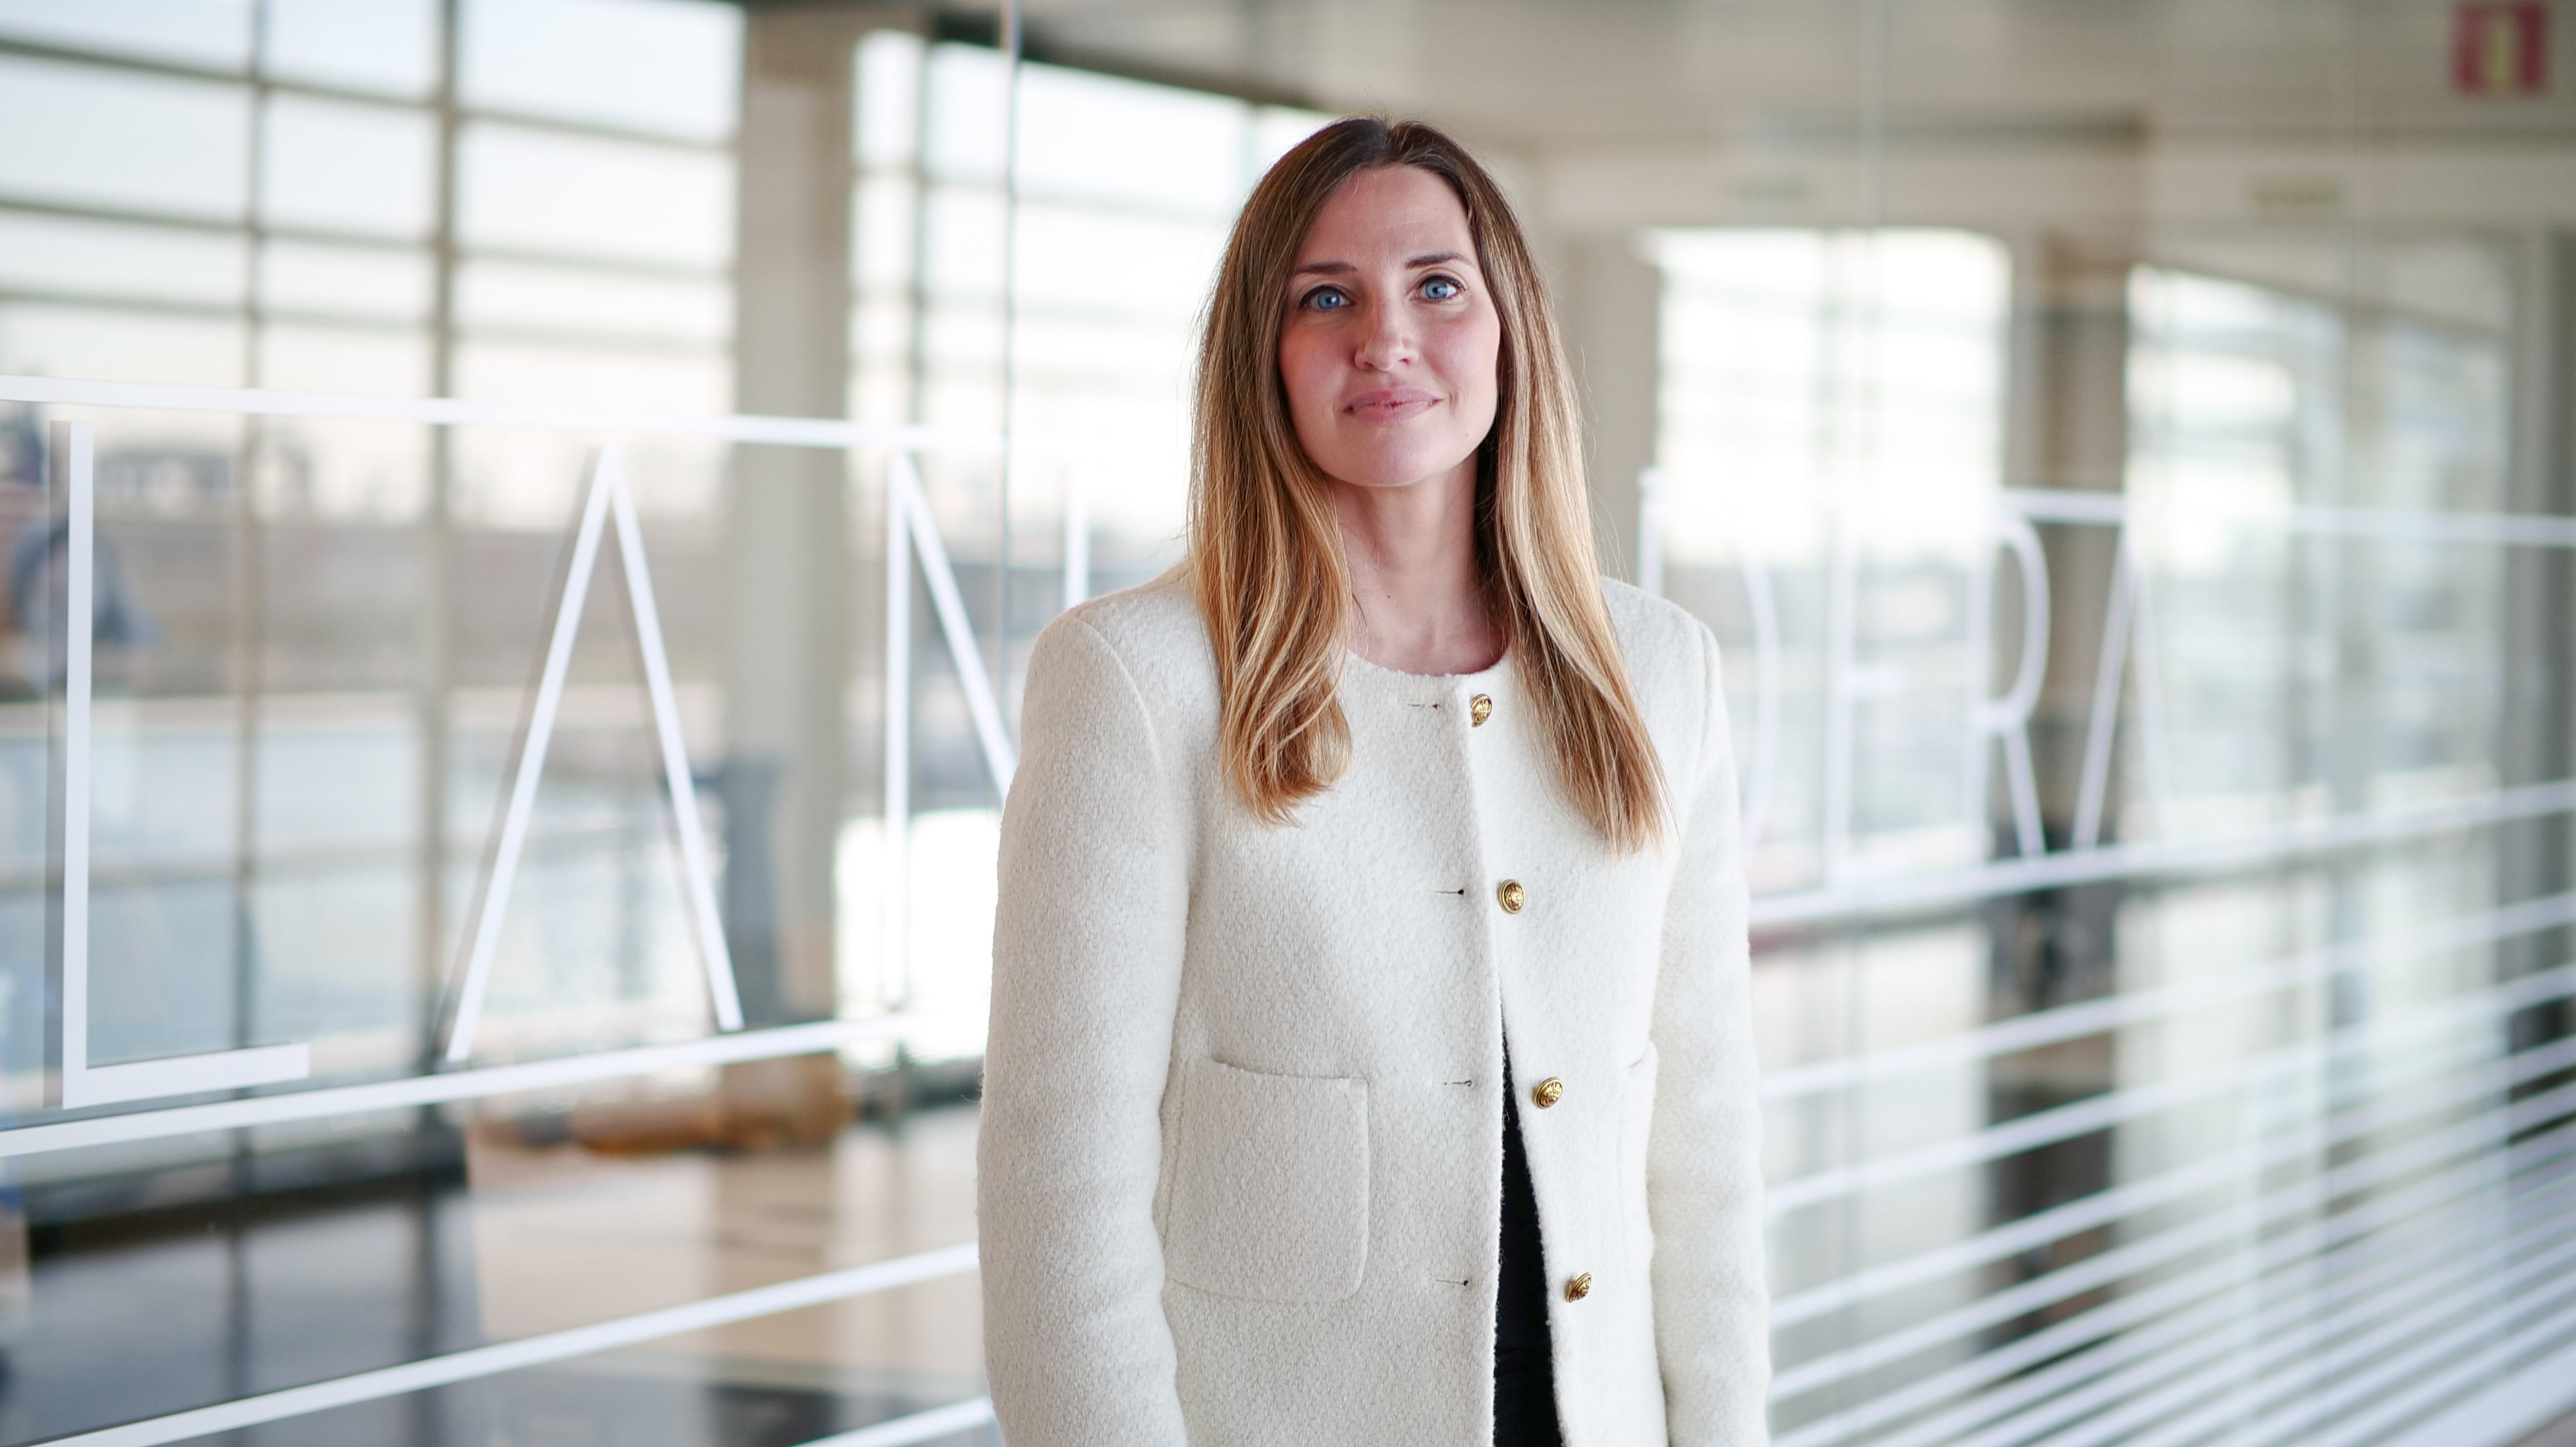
{"points": [[1441, 288], [1327, 299]]}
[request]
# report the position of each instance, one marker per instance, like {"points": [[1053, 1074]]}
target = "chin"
{"points": [[1397, 470], [1374, 479]]}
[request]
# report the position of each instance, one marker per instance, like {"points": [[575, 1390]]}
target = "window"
{"points": [[2153, 1032]]}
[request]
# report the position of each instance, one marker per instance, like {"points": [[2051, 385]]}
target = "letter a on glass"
{"points": [[609, 498]]}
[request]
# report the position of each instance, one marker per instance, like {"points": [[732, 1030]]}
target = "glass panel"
{"points": [[508, 296], [65, 341], [2232, 385], [2149, 1087], [343, 359], [1275, 130], [595, 949], [390, 46], [342, 167], [313, 706], [365, 471], [345, 281], [49, 255], [2115, 450], [509, 371], [82, 134], [663, 66], [170, 973], [575, 195], [887, 111], [967, 137], [205, 32], [1831, 428], [1079, 136]]}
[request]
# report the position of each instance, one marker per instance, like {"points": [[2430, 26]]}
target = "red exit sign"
{"points": [[2500, 47]]}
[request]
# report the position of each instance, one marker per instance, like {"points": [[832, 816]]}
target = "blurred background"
{"points": [[2126, 447]]}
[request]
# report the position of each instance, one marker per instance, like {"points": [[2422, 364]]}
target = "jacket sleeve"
{"points": [[1704, 1147], [1087, 946]]}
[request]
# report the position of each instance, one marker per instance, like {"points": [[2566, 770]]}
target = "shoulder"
{"points": [[1661, 641], [1152, 620], [1148, 638], [1672, 668], [1649, 626]]}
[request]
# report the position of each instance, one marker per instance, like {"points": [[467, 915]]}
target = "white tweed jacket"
{"points": [[1242, 1137]]}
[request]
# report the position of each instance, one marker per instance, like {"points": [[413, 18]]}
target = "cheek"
{"points": [[1472, 360], [1305, 371]]}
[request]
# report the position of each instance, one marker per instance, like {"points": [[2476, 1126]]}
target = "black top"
{"points": [[1524, 1363]]}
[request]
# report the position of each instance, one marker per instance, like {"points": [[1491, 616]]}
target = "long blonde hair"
{"points": [[1266, 552]]}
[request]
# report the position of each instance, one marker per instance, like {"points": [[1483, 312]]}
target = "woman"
{"points": [[1370, 1060]]}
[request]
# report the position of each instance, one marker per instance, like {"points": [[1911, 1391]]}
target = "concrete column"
{"points": [[2538, 743], [1609, 305], [787, 638], [789, 590], [2066, 426]]}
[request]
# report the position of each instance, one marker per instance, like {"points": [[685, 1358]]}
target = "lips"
{"points": [[1391, 404]]}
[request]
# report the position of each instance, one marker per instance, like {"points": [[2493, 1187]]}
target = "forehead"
{"points": [[1392, 211]]}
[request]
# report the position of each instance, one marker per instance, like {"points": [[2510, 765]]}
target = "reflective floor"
{"points": [[143, 1315]]}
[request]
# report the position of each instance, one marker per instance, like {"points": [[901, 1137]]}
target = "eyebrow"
{"points": [[1343, 268]]}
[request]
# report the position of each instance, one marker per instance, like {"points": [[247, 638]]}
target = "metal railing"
{"points": [[2122, 1362], [84, 1087], [2380, 1253]]}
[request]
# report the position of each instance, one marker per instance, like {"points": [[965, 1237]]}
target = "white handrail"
{"points": [[2136, 1198], [2139, 1006], [2118, 1107], [821, 432], [485, 1361]]}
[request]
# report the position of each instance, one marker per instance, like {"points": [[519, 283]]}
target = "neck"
{"points": [[1412, 556]]}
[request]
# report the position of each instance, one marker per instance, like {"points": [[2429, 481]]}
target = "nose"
{"points": [[1387, 341]]}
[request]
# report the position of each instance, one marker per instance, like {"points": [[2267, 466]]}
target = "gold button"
{"points": [[1512, 896], [1579, 1288], [1479, 709], [1547, 1092]]}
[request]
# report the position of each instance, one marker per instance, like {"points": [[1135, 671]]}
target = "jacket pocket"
{"points": [[1636, 1121], [1270, 1185]]}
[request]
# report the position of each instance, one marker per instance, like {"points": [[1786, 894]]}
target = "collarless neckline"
{"points": [[1377, 668], [1410, 683]]}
